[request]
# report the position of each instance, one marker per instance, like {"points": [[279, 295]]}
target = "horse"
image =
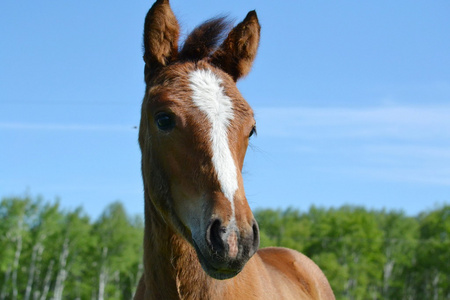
{"points": [[201, 239]]}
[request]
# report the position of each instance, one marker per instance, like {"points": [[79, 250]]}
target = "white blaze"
{"points": [[209, 96]]}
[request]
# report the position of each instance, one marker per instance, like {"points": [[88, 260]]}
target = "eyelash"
{"points": [[252, 132]]}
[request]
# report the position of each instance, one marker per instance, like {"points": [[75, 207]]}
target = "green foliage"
{"points": [[49, 253], [433, 254], [368, 254]]}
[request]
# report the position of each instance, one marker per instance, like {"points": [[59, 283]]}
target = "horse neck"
{"points": [[172, 269]]}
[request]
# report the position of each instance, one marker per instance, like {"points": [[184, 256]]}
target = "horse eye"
{"points": [[253, 132], [165, 121]]}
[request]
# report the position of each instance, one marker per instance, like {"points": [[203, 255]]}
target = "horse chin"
{"points": [[209, 266]]}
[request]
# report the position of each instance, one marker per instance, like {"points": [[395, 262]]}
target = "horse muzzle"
{"points": [[224, 250]]}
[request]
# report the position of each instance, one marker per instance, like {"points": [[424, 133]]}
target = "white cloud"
{"points": [[63, 127], [393, 143], [399, 122]]}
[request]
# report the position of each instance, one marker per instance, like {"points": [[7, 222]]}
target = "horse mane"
{"points": [[205, 39]]}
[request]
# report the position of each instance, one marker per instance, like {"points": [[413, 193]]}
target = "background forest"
{"points": [[47, 252]]}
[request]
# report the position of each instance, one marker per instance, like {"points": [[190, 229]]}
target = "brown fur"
{"points": [[238, 51], [161, 31], [182, 193], [203, 40]]}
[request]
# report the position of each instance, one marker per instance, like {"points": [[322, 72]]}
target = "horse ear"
{"points": [[236, 54], [161, 31]]}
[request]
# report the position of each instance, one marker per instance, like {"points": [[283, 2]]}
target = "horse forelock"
{"points": [[205, 39]]}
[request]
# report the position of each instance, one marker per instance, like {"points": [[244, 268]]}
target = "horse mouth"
{"points": [[222, 272]]}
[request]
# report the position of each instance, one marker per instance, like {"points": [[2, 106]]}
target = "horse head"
{"points": [[194, 132]]}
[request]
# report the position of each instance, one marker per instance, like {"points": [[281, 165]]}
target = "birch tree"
{"points": [[13, 212], [119, 240], [433, 255], [44, 229]]}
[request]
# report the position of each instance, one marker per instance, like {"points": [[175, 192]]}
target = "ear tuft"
{"points": [[237, 53]]}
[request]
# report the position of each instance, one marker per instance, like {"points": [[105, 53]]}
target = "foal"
{"points": [[201, 240]]}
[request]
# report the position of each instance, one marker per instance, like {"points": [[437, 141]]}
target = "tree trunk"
{"points": [[117, 285], [62, 273], [435, 284], [4, 292], [16, 260], [36, 295], [138, 278], [48, 276], [387, 272], [103, 278], [37, 250]]}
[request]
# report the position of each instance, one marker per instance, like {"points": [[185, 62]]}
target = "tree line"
{"points": [[47, 252], [50, 253], [369, 254]]}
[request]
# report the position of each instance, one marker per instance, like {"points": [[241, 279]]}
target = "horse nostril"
{"points": [[255, 243], [214, 236]]}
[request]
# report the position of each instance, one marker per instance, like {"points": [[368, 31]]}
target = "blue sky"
{"points": [[352, 100]]}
